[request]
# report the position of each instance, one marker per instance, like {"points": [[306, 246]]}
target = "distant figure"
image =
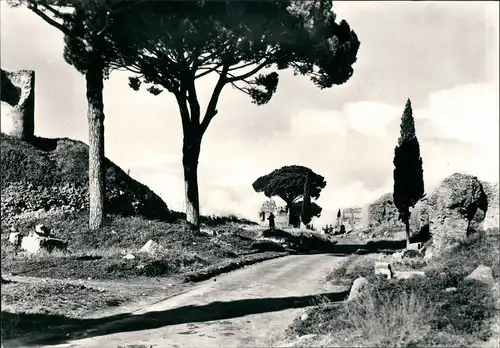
{"points": [[271, 221], [262, 216]]}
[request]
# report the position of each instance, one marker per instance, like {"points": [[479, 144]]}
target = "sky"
{"points": [[441, 55]]}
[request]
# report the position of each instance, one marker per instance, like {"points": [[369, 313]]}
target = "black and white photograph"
{"points": [[249, 173]]}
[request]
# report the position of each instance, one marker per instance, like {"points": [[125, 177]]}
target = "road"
{"points": [[246, 308]]}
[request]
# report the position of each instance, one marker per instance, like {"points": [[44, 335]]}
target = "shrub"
{"points": [[412, 312]]}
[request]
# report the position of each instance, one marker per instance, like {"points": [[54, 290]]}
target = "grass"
{"points": [[413, 312], [26, 306], [99, 255]]}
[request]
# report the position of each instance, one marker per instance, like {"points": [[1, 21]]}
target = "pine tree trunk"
{"points": [[95, 116], [191, 154], [407, 225]]}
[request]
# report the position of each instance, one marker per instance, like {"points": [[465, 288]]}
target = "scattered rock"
{"points": [[398, 255], [15, 238], [384, 268], [129, 257], [304, 316], [456, 208], [151, 247], [414, 246], [208, 232], [451, 289], [42, 230], [362, 251], [408, 274], [428, 255], [410, 254], [483, 274], [357, 288], [34, 244]]}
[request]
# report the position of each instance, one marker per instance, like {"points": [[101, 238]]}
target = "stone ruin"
{"points": [[38, 241], [18, 103], [280, 214]]}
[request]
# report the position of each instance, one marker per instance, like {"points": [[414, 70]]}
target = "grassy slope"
{"points": [[415, 312]]}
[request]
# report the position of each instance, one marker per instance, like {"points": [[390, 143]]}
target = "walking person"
{"points": [[271, 221]]}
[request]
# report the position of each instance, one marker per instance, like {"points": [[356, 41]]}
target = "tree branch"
{"points": [[209, 70], [211, 108], [194, 105], [34, 8], [251, 72], [239, 88]]}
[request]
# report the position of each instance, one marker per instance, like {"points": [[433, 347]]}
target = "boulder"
{"points": [[151, 248], [128, 257], [18, 103], [358, 287], [456, 207], [34, 244], [491, 220], [483, 274]]}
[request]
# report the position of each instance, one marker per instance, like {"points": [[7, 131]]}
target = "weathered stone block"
{"points": [[18, 103], [34, 244]]}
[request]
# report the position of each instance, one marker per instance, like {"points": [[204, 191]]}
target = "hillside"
{"points": [[49, 177]]}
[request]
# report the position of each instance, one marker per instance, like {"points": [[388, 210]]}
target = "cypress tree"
{"points": [[306, 215], [408, 172]]}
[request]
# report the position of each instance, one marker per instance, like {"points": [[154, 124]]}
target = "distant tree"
{"points": [[305, 214], [89, 49], [171, 45], [408, 172], [339, 214], [288, 184]]}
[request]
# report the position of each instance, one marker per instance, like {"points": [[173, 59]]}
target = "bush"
{"points": [[480, 248], [404, 313]]}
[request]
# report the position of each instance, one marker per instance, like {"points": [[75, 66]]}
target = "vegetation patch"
{"points": [[29, 307], [441, 309]]}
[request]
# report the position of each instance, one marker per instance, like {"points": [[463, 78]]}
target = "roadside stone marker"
{"points": [[384, 268]]}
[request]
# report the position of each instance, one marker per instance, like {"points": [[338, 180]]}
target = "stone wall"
{"points": [[18, 103]]}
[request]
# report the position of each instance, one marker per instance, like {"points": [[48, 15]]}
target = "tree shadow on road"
{"points": [[85, 328]]}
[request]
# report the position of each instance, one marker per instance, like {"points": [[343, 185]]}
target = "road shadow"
{"points": [[71, 329]]}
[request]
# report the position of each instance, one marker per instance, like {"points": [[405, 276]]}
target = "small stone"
{"points": [[451, 289], [129, 257], [151, 247], [483, 274], [15, 238], [414, 246], [304, 316], [357, 288]]}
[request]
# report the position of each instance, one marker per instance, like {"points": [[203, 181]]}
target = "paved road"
{"points": [[245, 308]]}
